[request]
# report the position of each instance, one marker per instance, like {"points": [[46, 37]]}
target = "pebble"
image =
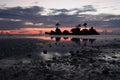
{"points": [[45, 51]]}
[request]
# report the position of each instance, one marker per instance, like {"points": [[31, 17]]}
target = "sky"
{"points": [[33, 16]]}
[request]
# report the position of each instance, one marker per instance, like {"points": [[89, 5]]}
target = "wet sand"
{"points": [[36, 59]]}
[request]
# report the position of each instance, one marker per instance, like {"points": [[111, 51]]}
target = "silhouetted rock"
{"points": [[84, 32], [93, 31], [51, 32], [74, 31], [58, 31], [65, 32]]}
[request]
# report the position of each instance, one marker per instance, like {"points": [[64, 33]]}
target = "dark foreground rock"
{"points": [[92, 64]]}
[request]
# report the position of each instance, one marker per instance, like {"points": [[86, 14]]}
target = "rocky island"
{"points": [[74, 31]]}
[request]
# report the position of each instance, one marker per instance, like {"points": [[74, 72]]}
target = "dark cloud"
{"points": [[114, 23], [60, 11], [19, 12], [24, 14], [16, 17], [87, 8], [10, 25]]}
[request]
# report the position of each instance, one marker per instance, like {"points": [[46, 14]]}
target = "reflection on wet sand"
{"points": [[31, 47], [78, 41], [64, 46], [57, 39], [59, 58]]}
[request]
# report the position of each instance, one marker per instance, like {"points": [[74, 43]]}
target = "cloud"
{"points": [[33, 24], [10, 25], [114, 23], [19, 12], [8, 15], [86, 8], [58, 11], [19, 17], [35, 2], [2, 6]]}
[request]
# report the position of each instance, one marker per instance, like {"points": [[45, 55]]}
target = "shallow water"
{"points": [[46, 47], [60, 57]]}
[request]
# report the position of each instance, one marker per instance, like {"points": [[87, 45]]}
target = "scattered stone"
{"points": [[45, 51], [54, 58], [91, 60], [50, 46], [49, 77], [77, 51], [15, 75], [29, 55], [48, 64], [63, 46], [114, 56], [105, 71]]}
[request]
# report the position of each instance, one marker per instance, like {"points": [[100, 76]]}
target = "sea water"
{"points": [[45, 47]]}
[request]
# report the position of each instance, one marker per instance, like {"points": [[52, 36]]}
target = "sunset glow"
{"points": [[40, 16], [38, 30]]}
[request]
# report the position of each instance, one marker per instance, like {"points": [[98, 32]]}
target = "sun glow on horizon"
{"points": [[39, 30], [43, 30]]}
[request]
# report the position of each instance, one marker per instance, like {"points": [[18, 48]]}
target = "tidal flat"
{"points": [[60, 58]]}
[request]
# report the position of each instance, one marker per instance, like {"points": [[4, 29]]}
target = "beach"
{"points": [[60, 57]]}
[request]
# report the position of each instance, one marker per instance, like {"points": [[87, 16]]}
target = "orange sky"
{"points": [[37, 30]]}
